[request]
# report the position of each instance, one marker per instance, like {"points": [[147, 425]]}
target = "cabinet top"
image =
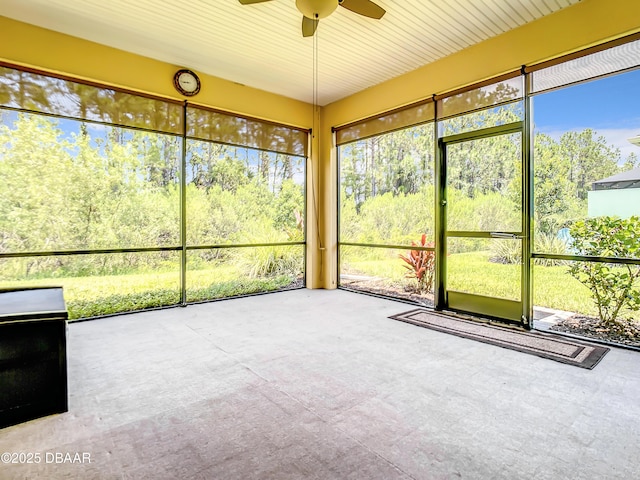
{"points": [[32, 304]]}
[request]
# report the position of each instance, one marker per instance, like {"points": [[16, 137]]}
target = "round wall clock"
{"points": [[186, 82]]}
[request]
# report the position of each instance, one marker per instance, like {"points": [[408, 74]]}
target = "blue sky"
{"points": [[610, 106]]}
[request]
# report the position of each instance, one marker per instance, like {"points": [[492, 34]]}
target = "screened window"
{"points": [[103, 193], [586, 199], [580, 148], [386, 199]]}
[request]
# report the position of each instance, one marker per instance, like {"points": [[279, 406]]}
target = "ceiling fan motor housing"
{"points": [[316, 9]]}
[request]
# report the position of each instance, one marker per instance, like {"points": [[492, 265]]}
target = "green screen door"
{"points": [[482, 216]]}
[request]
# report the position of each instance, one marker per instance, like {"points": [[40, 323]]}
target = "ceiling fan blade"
{"points": [[363, 7], [249, 2], [309, 26]]}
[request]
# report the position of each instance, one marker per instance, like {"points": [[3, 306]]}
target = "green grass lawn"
{"points": [[553, 287], [102, 295], [90, 296], [474, 273]]}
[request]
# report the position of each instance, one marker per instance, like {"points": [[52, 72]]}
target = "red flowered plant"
{"points": [[421, 264]]}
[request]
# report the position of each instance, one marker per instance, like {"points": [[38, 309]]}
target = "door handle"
{"points": [[504, 235]]}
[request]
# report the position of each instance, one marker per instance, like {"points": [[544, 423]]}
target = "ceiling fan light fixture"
{"points": [[313, 10], [316, 9]]}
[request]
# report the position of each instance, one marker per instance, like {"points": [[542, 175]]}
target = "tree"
{"points": [[289, 208], [202, 158], [564, 172], [30, 210], [589, 158], [229, 174], [556, 199], [631, 162], [399, 162]]}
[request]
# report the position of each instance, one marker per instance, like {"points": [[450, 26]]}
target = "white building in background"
{"points": [[617, 195]]}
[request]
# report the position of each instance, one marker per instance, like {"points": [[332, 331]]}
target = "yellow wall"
{"points": [[584, 24], [36, 47], [587, 23]]}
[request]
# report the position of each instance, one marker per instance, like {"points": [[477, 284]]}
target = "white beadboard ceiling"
{"points": [[261, 45]]}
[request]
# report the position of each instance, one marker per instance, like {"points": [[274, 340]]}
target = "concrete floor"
{"points": [[316, 384]]}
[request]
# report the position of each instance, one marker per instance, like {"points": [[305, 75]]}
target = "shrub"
{"points": [[267, 261], [386, 218], [484, 212], [506, 251], [510, 252], [236, 287], [125, 302], [613, 287], [420, 264], [272, 261], [548, 243]]}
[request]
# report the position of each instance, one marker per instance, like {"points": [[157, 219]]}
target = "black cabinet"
{"points": [[33, 354]]}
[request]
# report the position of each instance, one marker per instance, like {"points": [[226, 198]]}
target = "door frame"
{"points": [[515, 312]]}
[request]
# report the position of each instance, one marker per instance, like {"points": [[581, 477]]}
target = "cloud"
{"points": [[620, 138]]}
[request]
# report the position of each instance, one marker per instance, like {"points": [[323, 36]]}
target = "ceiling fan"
{"points": [[313, 10]]}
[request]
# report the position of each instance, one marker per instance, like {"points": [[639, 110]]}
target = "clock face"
{"points": [[186, 82]]}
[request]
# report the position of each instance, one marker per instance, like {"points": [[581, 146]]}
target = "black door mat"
{"points": [[543, 345]]}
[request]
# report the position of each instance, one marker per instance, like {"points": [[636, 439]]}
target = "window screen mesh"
{"points": [[615, 59], [388, 122], [205, 124], [50, 95], [504, 91]]}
